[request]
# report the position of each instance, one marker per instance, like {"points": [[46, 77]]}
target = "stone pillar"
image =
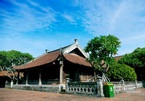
{"points": [[67, 86], [136, 83], [40, 82], [27, 77], [11, 84], [123, 85], [100, 88]]}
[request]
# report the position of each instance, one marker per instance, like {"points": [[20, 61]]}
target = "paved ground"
{"points": [[23, 95]]}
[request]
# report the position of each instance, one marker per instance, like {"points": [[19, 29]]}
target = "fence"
{"points": [[88, 88], [82, 87], [91, 87], [124, 86]]}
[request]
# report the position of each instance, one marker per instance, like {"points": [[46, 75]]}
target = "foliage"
{"points": [[102, 48], [13, 57], [136, 59], [10, 58], [3, 58], [118, 71]]}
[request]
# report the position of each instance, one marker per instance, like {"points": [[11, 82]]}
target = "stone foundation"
{"points": [[44, 88]]}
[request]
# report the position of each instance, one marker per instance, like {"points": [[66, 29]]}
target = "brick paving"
{"points": [[24, 95]]}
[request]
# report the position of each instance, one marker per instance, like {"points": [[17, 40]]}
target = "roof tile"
{"points": [[74, 58], [46, 58]]}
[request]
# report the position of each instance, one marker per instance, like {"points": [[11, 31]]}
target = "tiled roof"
{"points": [[52, 56], [44, 59], [1, 74], [5, 73], [77, 59]]}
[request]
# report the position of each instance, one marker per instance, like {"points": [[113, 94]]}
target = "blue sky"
{"points": [[32, 26]]}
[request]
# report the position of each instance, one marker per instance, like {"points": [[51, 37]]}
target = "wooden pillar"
{"points": [[95, 78], [61, 73], [27, 77], [40, 82], [77, 75], [18, 77]]}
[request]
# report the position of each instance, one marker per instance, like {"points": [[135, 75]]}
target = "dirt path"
{"points": [[23, 95]]}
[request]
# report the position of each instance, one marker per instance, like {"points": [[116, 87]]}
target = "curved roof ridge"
{"points": [[44, 59]]}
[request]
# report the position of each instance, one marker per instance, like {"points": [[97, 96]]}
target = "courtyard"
{"points": [[25, 95]]}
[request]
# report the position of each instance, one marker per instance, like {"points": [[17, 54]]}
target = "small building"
{"points": [[53, 67], [117, 58], [3, 78]]}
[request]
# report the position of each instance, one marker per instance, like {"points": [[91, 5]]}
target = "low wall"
{"points": [[124, 86], [88, 88], [45, 88]]}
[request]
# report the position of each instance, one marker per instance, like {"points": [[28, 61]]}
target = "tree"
{"points": [[3, 58], [11, 58], [101, 50], [17, 58], [121, 71], [136, 60]]}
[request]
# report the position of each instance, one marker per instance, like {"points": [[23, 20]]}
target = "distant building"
{"points": [[117, 58]]}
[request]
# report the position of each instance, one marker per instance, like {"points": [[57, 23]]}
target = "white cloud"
{"points": [[27, 18], [112, 17], [95, 16], [122, 18], [118, 13], [68, 18], [17, 27]]}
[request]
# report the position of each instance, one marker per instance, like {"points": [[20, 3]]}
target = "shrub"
{"points": [[118, 71]]}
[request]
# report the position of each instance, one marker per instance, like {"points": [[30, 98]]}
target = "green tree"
{"points": [[3, 58], [102, 48], [17, 58], [11, 58], [118, 71], [136, 60]]}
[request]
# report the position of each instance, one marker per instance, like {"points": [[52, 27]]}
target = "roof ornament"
{"points": [[46, 50], [76, 41]]}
